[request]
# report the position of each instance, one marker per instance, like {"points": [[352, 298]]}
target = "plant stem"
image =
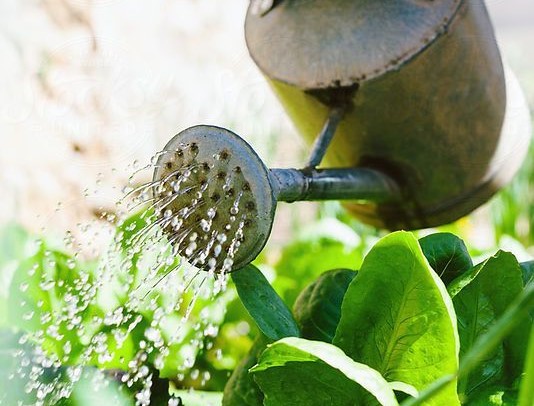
{"points": [[526, 393]]}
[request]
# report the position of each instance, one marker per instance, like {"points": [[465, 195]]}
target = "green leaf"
{"points": [[198, 398], [404, 388], [397, 318], [528, 271], [475, 315], [514, 315], [241, 389], [84, 386], [14, 241], [295, 371], [87, 392], [37, 301], [526, 393], [494, 396], [328, 244], [480, 297], [11, 383], [318, 308], [446, 254], [15, 244], [263, 304]]}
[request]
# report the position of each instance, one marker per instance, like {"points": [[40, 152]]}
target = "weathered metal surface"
{"points": [[225, 154], [322, 43], [443, 124], [291, 185]]}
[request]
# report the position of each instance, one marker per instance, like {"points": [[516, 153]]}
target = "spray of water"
{"points": [[157, 296]]}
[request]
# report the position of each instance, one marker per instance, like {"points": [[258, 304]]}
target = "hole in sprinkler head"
{"points": [[212, 196], [224, 155]]}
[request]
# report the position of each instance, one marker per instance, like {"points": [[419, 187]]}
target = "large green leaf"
{"points": [[295, 371], [480, 297], [318, 308], [446, 254], [241, 389], [264, 305], [397, 318]]}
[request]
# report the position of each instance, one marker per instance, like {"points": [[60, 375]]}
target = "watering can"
{"points": [[413, 89], [413, 119]]}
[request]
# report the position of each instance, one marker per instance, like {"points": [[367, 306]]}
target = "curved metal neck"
{"points": [[290, 185]]}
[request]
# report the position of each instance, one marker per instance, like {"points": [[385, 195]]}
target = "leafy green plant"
{"points": [[512, 210], [411, 322], [76, 318], [418, 323]]}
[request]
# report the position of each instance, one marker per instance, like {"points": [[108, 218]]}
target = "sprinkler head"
{"points": [[216, 203], [216, 200]]}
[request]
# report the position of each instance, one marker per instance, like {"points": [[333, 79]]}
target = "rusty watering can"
{"points": [[413, 89], [407, 101]]}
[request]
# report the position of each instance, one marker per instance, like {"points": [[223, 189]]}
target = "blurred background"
{"points": [[91, 90], [91, 87]]}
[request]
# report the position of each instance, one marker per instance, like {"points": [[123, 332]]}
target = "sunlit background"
{"points": [[89, 87]]}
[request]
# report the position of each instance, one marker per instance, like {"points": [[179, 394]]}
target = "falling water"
{"points": [[158, 293]]}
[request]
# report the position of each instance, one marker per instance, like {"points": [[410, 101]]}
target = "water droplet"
{"points": [[205, 225], [176, 223], [190, 249], [28, 316], [227, 264], [47, 285], [212, 263], [211, 331]]}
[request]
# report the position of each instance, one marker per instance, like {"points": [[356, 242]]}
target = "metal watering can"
{"points": [[413, 89], [407, 101]]}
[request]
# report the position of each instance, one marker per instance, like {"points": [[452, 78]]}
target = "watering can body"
{"points": [[426, 96]]}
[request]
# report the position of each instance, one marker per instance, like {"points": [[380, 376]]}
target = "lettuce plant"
{"points": [[416, 324]]}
